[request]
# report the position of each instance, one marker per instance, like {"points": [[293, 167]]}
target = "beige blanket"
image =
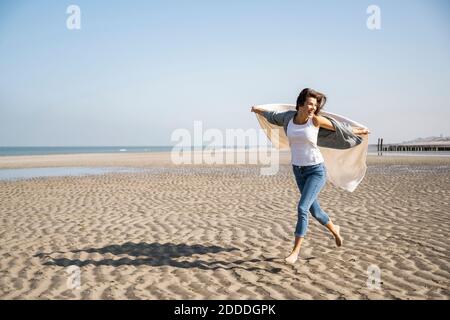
{"points": [[345, 168]]}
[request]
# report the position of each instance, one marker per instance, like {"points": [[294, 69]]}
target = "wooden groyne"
{"points": [[418, 146]]}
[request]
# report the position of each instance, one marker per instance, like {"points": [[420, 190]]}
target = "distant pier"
{"points": [[413, 147]]}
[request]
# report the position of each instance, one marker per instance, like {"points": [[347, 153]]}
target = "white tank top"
{"points": [[303, 143]]}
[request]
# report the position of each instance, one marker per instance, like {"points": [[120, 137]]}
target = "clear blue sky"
{"points": [[137, 70]]}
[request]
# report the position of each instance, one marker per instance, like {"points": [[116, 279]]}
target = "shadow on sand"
{"points": [[156, 255]]}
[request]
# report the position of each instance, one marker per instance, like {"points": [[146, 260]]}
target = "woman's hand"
{"points": [[361, 131], [257, 110]]}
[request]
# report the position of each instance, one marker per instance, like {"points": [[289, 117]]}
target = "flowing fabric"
{"points": [[345, 167]]}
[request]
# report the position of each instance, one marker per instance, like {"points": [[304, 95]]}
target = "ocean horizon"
{"points": [[47, 150], [44, 150]]}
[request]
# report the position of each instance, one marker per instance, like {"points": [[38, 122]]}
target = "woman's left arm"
{"points": [[323, 122], [320, 121], [360, 131]]}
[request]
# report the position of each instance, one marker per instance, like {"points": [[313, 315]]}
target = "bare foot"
{"points": [[292, 258], [338, 237]]}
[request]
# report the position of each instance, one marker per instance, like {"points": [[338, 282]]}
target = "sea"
{"points": [[29, 173], [29, 151]]}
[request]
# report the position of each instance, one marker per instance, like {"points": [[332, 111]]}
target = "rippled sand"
{"points": [[221, 232]]}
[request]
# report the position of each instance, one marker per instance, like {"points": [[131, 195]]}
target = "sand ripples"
{"points": [[213, 233]]}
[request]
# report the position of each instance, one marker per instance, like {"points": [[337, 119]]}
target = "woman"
{"points": [[308, 164]]}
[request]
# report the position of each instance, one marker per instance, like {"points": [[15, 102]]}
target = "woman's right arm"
{"points": [[258, 110], [273, 117]]}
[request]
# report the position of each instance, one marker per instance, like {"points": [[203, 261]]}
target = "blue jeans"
{"points": [[310, 180]]}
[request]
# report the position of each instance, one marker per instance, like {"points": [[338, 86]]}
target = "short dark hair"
{"points": [[308, 92]]}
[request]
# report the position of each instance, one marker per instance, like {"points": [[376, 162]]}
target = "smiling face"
{"points": [[310, 102], [309, 107]]}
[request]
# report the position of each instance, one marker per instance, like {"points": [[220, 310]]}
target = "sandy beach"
{"points": [[221, 232]]}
